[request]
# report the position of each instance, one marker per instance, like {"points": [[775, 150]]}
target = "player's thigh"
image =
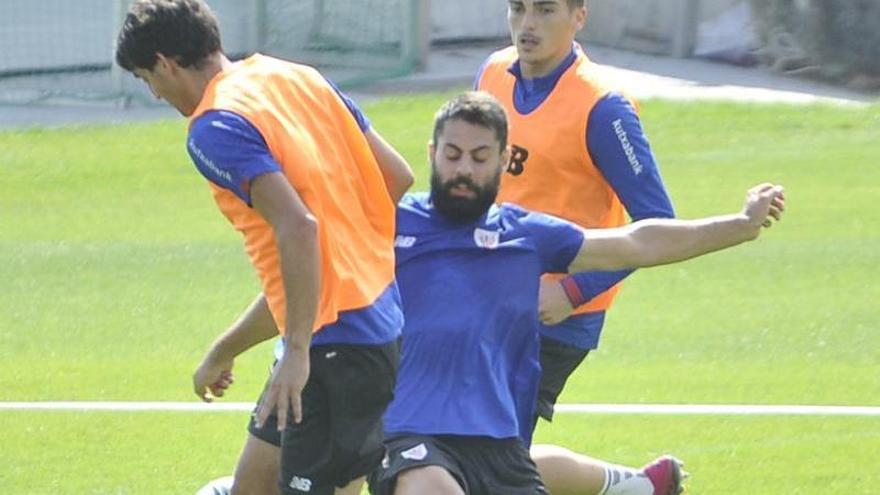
{"points": [[427, 480], [416, 463], [258, 468], [339, 439]]}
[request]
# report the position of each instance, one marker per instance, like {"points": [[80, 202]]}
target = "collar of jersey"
{"points": [[545, 83]]}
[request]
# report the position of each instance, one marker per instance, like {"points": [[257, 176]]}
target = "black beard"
{"points": [[463, 210]]}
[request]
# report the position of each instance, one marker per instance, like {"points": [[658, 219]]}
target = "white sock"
{"points": [[220, 486], [621, 480]]}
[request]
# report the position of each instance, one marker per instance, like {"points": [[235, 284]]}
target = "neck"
{"points": [[199, 79], [542, 68]]}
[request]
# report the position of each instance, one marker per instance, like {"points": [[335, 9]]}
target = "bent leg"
{"points": [[258, 468], [565, 472], [427, 480]]}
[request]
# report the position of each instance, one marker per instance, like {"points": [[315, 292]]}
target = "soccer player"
{"points": [[296, 168], [579, 153], [462, 417]]}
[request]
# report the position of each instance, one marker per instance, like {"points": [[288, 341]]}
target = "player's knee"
{"points": [[428, 480]]}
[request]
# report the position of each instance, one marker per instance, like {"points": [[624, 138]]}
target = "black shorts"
{"points": [[558, 362], [482, 466], [340, 436]]}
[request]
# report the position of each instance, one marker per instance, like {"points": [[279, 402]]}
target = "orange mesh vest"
{"points": [[551, 170], [325, 156]]}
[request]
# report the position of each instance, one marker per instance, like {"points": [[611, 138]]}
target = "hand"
{"points": [[288, 380], [214, 374], [553, 303], [764, 203]]}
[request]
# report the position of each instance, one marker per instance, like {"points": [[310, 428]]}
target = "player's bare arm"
{"points": [[214, 373], [395, 170], [296, 235], [655, 242]]}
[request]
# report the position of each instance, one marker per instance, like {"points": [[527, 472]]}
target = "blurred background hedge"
{"points": [[835, 39]]}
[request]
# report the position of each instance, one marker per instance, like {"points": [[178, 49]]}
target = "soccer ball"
{"points": [[220, 486]]}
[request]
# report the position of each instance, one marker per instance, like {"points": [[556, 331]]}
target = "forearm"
{"points": [[300, 271], [395, 170], [254, 327], [661, 241]]}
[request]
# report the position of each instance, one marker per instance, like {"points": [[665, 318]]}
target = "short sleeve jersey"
{"points": [[469, 361]]}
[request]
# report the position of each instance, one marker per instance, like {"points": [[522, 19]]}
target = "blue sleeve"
{"points": [[619, 148], [557, 241], [362, 120], [230, 152]]}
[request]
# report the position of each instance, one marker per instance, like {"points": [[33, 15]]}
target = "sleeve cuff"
{"points": [[575, 296]]}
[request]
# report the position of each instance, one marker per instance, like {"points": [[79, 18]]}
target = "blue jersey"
{"points": [[469, 363]]}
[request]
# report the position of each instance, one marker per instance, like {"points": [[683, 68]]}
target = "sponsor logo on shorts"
{"points": [[487, 238], [301, 484], [417, 453]]}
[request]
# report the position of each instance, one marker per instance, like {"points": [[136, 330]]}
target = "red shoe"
{"points": [[666, 475]]}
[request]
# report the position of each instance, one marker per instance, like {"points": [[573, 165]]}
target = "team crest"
{"points": [[488, 239]]}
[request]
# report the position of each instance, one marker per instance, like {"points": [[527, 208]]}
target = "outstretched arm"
{"points": [[655, 242]]}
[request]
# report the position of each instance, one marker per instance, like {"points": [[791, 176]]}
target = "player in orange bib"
{"points": [[579, 153], [296, 168]]}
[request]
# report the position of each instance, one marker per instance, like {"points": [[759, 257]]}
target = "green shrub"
{"points": [[841, 37]]}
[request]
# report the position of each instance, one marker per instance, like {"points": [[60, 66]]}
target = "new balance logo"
{"points": [[301, 484], [417, 453], [404, 241]]}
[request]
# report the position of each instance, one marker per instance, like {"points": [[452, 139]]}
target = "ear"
{"points": [[432, 150], [505, 157], [580, 18], [167, 64]]}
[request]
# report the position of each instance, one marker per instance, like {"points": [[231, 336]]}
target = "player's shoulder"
{"points": [[505, 56], [513, 214], [414, 206], [600, 78], [512, 210], [223, 128], [419, 201]]}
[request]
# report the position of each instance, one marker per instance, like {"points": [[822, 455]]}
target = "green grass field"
{"points": [[117, 271]]}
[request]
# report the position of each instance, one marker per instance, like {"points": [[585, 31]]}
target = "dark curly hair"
{"points": [[184, 30], [474, 107]]}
